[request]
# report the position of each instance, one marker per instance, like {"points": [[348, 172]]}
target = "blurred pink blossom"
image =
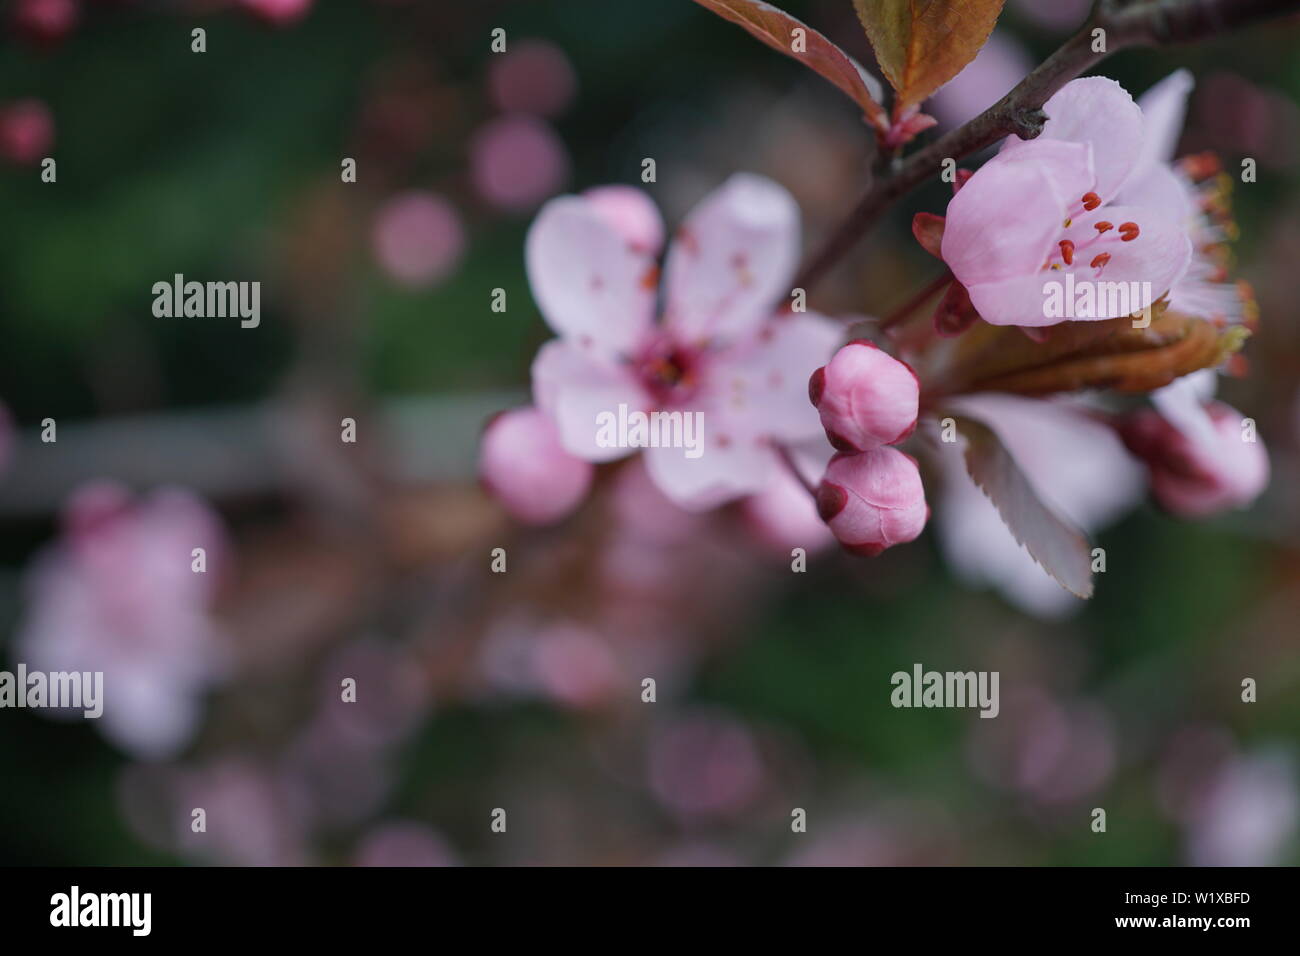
{"points": [[517, 161], [278, 12], [1203, 456], [117, 594], [704, 764], [26, 131], [523, 464], [784, 516], [532, 76], [1000, 64], [403, 843], [251, 818], [44, 22], [1248, 816], [575, 667], [1050, 750], [418, 238], [723, 350]]}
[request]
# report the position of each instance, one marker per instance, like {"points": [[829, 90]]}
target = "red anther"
{"points": [[1129, 231], [1104, 226], [1091, 201], [1067, 251], [1100, 260]]}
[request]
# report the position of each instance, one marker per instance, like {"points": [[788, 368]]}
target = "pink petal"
{"points": [[630, 213], [1005, 221], [1159, 187], [1164, 107], [592, 288], [574, 389], [731, 466], [1096, 111], [766, 381], [732, 260]]}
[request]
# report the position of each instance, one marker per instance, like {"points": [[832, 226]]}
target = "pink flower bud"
{"points": [[26, 131], [522, 463], [866, 397], [873, 500], [1193, 476]]}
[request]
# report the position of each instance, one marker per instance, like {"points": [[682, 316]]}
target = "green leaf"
{"points": [[922, 44], [777, 29], [1062, 549]]}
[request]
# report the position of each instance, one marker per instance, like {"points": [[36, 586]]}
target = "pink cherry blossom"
{"points": [[865, 397], [523, 464], [723, 347], [1046, 208], [117, 594], [1202, 458], [1076, 465], [873, 500]]}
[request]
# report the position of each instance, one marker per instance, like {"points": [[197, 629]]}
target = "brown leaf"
{"points": [[928, 229], [922, 44], [1127, 360], [776, 28]]}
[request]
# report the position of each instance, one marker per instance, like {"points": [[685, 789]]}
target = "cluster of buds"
{"points": [[871, 496]]}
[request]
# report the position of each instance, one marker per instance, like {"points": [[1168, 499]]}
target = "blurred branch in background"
{"points": [[241, 451]]}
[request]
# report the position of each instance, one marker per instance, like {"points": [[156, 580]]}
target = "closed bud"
{"points": [[523, 465], [866, 397], [872, 500], [1202, 472]]}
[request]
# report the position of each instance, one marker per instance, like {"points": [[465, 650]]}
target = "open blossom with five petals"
{"points": [[724, 345], [1047, 208]]}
